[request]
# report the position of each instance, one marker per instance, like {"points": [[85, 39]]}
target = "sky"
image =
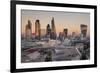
{"points": [[69, 20]]}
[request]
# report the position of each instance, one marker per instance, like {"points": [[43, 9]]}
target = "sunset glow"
{"points": [[69, 20]]}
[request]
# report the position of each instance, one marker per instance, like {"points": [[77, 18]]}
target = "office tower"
{"points": [[37, 29], [83, 30], [28, 30], [65, 31], [53, 29], [48, 30]]}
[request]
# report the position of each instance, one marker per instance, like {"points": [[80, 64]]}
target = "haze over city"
{"points": [[69, 20]]}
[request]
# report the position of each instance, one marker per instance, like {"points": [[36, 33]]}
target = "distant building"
{"points": [[37, 29], [65, 32], [48, 30], [28, 30], [53, 35], [83, 30], [53, 29], [61, 36], [73, 35]]}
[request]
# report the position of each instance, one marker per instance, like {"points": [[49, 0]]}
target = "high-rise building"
{"points": [[65, 32], [83, 30], [48, 30], [53, 29], [37, 29], [28, 30]]}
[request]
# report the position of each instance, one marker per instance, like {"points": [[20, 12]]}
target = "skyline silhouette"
{"points": [[63, 20]]}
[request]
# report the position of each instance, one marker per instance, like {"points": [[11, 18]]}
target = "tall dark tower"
{"points": [[37, 29], [83, 30], [28, 30], [48, 30], [53, 29]]}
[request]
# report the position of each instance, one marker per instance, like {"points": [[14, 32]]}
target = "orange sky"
{"points": [[63, 20]]}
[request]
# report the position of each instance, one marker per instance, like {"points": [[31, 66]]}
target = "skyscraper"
{"points": [[83, 30], [48, 30], [53, 29], [28, 30], [37, 29]]}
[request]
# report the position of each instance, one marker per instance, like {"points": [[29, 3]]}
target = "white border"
{"points": [[20, 65]]}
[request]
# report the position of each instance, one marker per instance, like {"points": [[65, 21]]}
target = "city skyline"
{"points": [[69, 20]]}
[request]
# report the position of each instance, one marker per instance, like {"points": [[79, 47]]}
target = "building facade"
{"points": [[37, 29]]}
